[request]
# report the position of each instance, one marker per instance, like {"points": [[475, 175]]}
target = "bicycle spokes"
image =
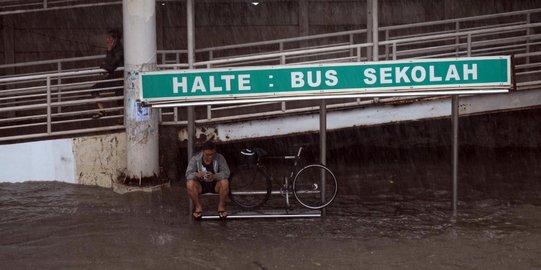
{"points": [[315, 186], [250, 188]]}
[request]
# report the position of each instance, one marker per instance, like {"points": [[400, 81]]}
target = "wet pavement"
{"points": [[384, 218]]}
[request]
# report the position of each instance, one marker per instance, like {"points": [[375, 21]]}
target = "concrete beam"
{"points": [[369, 116]]}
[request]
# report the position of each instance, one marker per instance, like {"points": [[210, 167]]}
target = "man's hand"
{"points": [[205, 175]]}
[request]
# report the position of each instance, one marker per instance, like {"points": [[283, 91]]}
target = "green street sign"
{"points": [[272, 82]]}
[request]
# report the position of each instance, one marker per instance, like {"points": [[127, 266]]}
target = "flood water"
{"points": [[388, 215]]}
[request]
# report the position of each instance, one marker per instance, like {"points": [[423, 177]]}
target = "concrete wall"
{"points": [[43, 160], [94, 160], [100, 160]]}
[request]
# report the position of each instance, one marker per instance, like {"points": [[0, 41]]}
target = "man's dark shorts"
{"points": [[208, 187]]}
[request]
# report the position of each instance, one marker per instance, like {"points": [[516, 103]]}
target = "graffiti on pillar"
{"points": [[141, 113], [131, 80]]}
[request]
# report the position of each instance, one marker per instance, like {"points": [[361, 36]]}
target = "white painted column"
{"points": [[369, 21], [190, 25], [139, 19], [375, 32]]}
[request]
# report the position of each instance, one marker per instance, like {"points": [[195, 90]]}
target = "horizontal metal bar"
{"points": [[19, 11], [274, 55], [458, 34], [355, 46], [467, 19], [56, 61], [61, 133], [285, 40], [247, 216], [308, 191], [395, 94], [254, 192], [52, 75]]}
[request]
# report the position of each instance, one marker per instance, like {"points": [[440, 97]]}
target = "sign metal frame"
{"points": [[501, 85]]}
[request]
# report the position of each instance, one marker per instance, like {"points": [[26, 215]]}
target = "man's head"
{"points": [[209, 151], [112, 38]]}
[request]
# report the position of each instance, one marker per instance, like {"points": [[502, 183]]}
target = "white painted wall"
{"points": [[92, 160], [43, 160]]}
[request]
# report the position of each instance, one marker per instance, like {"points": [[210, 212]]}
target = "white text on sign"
{"points": [[200, 85], [388, 75], [313, 78]]}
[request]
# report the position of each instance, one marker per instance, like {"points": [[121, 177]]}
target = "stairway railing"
{"points": [[59, 102]]}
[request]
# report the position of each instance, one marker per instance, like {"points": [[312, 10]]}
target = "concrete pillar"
{"points": [[375, 32], [369, 21], [139, 19], [190, 25]]}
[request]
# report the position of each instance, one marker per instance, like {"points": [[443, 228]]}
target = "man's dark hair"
{"points": [[114, 33], [209, 145]]}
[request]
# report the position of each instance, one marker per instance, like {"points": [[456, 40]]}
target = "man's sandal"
{"points": [[99, 114], [197, 215], [222, 214]]}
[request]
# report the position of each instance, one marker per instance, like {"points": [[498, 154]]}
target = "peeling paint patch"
{"points": [[100, 160], [202, 134]]}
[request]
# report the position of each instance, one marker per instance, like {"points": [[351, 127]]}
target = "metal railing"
{"points": [[60, 102], [176, 59], [23, 6], [471, 43]]}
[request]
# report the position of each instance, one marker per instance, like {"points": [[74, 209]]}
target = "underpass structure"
{"points": [[57, 103]]}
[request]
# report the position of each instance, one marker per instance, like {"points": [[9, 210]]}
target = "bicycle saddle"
{"points": [[253, 152]]}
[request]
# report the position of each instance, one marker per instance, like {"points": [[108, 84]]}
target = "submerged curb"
{"points": [[123, 189]]}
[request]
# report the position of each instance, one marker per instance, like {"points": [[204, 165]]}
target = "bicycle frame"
{"points": [[285, 186], [301, 183]]}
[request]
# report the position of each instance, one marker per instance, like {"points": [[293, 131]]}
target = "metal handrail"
{"points": [[49, 100], [49, 107], [48, 5], [299, 39], [464, 19], [364, 45]]}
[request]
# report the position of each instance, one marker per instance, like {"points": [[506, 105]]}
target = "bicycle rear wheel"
{"points": [[315, 186], [250, 188]]}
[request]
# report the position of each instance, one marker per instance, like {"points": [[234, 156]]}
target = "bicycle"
{"points": [[314, 186]]}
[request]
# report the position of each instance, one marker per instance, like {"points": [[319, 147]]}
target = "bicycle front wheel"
{"points": [[315, 186], [250, 188]]}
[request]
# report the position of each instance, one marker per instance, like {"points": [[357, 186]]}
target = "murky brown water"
{"points": [[395, 216]]}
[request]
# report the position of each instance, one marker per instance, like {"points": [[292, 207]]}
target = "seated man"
{"points": [[207, 172]]}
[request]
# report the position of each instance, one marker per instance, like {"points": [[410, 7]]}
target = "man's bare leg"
{"points": [[222, 188], [101, 112], [194, 189]]}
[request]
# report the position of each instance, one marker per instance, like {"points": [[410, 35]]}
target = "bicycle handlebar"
{"points": [[260, 152]]}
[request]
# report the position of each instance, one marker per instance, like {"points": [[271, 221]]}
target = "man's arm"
{"points": [[191, 169], [112, 61], [223, 168]]}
